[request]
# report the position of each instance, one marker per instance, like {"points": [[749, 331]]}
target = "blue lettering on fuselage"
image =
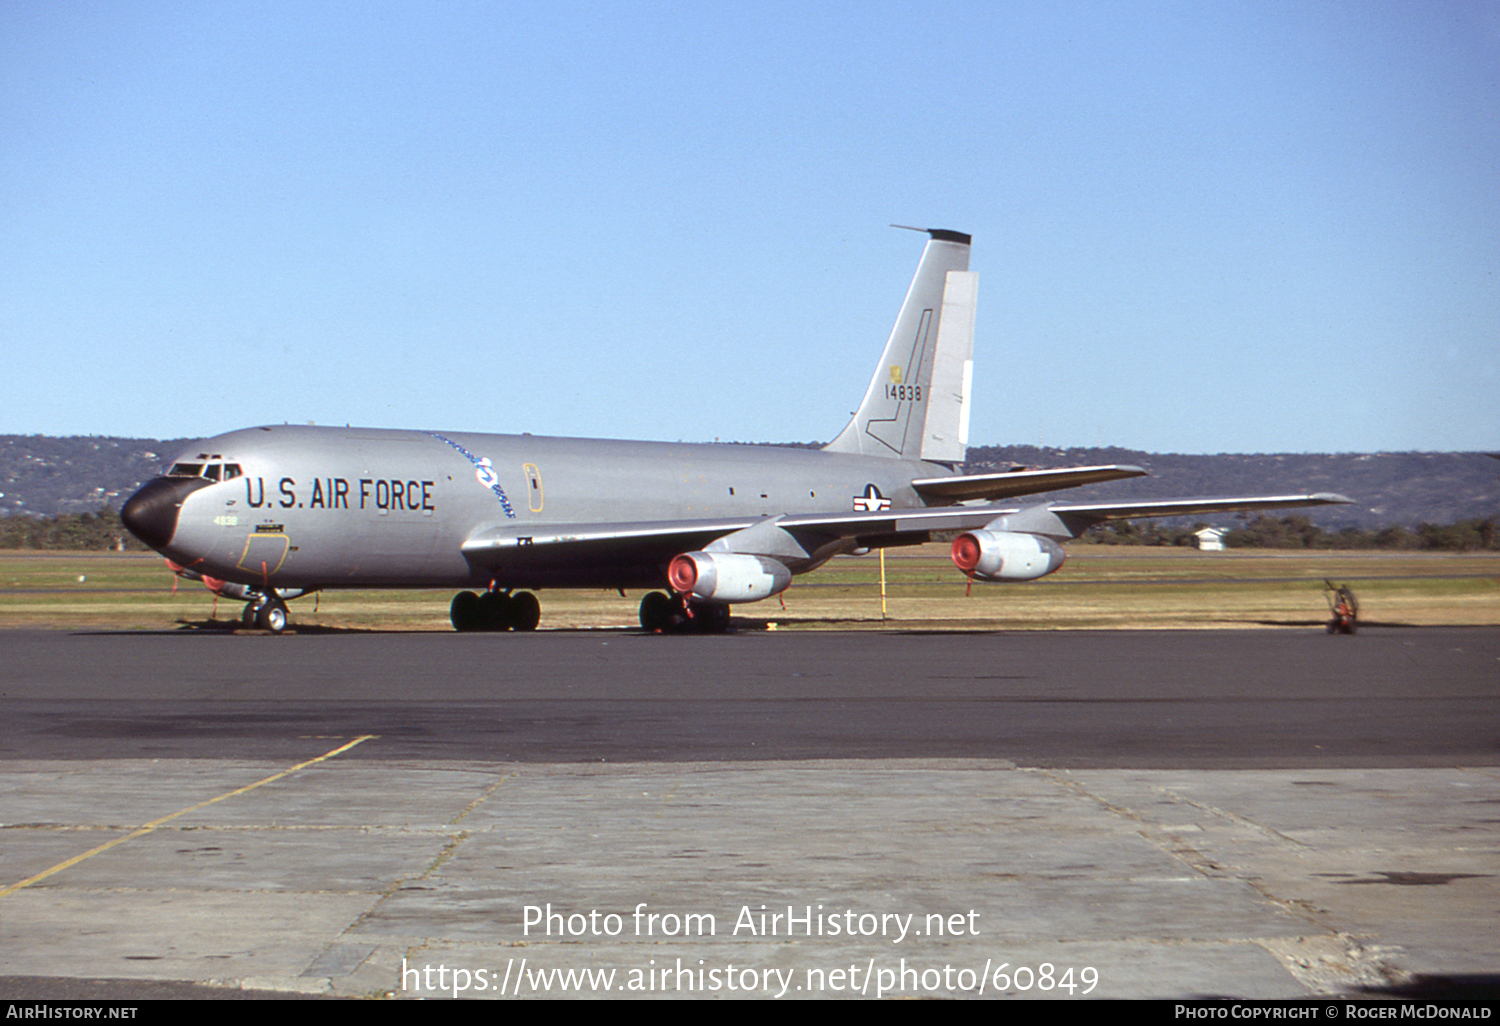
{"points": [[484, 472]]}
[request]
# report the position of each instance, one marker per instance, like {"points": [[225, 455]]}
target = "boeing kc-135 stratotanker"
{"points": [[271, 513]]}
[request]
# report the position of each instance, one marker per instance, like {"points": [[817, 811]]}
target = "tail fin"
{"points": [[917, 406]]}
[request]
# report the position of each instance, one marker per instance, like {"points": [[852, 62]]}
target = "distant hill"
{"points": [[45, 476]]}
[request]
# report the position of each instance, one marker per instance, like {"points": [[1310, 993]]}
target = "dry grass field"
{"points": [[1100, 587]]}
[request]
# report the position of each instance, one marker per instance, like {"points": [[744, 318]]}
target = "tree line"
{"points": [[96, 532]]}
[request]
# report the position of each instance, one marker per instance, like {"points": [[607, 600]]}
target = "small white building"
{"points": [[1210, 539]]}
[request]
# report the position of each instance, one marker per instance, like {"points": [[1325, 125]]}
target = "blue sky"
{"points": [[1236, 227]]}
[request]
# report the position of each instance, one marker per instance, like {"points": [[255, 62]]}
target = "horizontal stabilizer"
{"points": [[940, 490]]}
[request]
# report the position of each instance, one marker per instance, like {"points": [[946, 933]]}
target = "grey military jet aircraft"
{"points": [[271, 513]]}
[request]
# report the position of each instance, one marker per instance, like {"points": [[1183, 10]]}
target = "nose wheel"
{"points": [[266, 613]]}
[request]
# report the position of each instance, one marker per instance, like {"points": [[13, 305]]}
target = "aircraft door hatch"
{"points": [[264, 553], [533, 487]]}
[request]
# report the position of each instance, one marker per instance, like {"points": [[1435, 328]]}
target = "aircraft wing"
{"points": [[670, 537], [636, 554], [667, 538], [633, 554], [1187, 507], [1017, 482]]}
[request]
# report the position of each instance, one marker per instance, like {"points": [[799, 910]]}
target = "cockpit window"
{"points": [[210, 471]]}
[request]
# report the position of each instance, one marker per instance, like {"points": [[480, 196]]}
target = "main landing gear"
{"points": [[495, 611], [676, 614]]}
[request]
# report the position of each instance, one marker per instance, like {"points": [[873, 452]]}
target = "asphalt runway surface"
{"points": [[1161, 814], [1164, 699]]}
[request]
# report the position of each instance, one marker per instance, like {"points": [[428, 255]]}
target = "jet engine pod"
{"points": [[1006, 556], [727, 576]]}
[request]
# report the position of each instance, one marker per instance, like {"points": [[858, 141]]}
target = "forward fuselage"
{"points": [[321, 507]]}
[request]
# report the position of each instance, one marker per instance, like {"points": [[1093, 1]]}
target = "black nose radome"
{"points": [[151, 513]]}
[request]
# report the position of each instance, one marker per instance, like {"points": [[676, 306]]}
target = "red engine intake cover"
{"points": [[965, 553], [682, 573]]}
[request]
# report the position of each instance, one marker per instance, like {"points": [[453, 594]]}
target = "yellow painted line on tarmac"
{"points": [[142, 831]]}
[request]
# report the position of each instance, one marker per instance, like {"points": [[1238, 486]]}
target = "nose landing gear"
{"points": [[266, 612]]}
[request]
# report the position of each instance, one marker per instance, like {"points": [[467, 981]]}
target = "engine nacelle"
{"points": [[727, 576], [1006, 556]]}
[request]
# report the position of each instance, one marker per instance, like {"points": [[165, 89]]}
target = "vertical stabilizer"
{"points": [[917, 403]]}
